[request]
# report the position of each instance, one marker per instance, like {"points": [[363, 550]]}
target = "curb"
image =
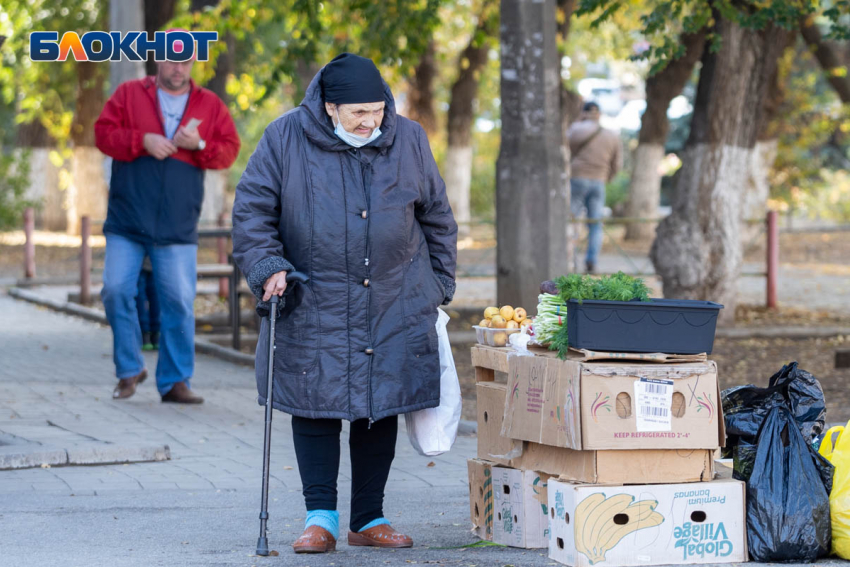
{"points": [[202, 346], [16, 457], [63, 307]]}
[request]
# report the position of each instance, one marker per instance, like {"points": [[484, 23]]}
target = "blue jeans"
{"points": [[147, 304], [589, 194], [175, 278]]}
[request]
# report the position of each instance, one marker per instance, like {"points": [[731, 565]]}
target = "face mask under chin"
{"points": [[353, 139]]}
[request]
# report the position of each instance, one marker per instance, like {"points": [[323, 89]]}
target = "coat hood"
{"points": [[319, 128]]}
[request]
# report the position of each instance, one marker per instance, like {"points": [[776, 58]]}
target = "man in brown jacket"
{"points": [[597, 156]]}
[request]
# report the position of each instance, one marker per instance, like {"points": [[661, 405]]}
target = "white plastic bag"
{"points": [[433, 431]]}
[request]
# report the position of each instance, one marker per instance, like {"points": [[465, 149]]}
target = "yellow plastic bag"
{"points": [[838, 452]]}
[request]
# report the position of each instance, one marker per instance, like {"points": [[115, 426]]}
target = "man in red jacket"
{"points": [[162, 133]]}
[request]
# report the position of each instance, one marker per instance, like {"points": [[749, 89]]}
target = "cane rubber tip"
{"points": [[263, 546]]}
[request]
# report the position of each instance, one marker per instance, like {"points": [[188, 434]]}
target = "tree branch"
{"points": [[831, 57]]}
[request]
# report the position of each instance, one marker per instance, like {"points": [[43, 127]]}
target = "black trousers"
{"points": [[372, 452]]}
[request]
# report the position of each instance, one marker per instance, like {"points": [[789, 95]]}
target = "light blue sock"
{"points": [[376, 522], [327, 519]]}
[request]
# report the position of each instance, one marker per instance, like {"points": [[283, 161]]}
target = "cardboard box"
{"points": [[491, 412], [614, 467], [481, 497], [662, 524], [613, 405], [521, 506]]}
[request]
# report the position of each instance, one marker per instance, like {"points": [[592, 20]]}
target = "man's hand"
{"points": [[158, 146], [186, 138], [275, 285]]}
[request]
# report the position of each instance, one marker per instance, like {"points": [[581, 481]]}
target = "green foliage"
{"points": [[43, 92], [663, 21], [618, 287], [278, 39], [14, 180], [811, 132]]}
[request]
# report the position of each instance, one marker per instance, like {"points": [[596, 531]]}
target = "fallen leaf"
{"points": [[185, 542], [431, 464], [45, 466], [287, 468], [274, 553]]}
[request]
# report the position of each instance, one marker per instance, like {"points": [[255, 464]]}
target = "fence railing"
{"points": [[222, 233]]}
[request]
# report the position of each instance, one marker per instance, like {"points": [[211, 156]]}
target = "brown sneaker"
{"points": [[181, 394], [315, 539], [380, 536], [127, 386]]}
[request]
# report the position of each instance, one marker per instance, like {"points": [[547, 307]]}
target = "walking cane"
{"points": [[263, 541]]}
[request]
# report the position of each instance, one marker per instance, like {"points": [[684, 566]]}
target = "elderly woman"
{"points": [[345, 190]]}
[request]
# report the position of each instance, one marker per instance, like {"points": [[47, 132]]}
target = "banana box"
{"points": [[660, 524], [481, 497], [520, 507]]}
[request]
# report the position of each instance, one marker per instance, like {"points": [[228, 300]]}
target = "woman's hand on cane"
{"points": [[275, 285]]}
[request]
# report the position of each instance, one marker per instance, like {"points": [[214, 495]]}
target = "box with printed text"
{"points": [[641, 467], [675, 524], [481, 497], [520, 506], [613, 405]]}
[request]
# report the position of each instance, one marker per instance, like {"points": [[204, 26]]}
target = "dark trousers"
{"points": [[147, 304], [372, 452]]}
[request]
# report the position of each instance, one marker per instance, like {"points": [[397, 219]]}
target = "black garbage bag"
{"points": [[787, 502], [746, 407]]}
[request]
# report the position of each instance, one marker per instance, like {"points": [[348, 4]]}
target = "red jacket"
{"points": [[133, 111], [159, 201]]}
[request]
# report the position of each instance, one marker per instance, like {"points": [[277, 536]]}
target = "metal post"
{"points": [[235, 319], [772, 257], [221, 243], [85, 260], [29, 245]]}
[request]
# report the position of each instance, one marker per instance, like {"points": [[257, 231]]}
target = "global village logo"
{"points": [[174, 45]]}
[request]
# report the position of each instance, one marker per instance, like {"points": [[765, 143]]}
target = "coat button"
{"points": [[366, 283], [370, 351], [364, 214]]}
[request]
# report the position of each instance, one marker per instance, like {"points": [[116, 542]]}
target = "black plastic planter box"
{"points": [[673, 326]]}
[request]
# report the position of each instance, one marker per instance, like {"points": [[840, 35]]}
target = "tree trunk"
{"points": [[757, 189], [570, 103], [420, 93], [831, 56], [661, 88], [88, 193], [157, 14], [124, 16], [458, 165], [305, 71], [697, 250], [532, 203], [215, 180]]}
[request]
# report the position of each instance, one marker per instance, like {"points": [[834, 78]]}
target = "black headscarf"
{"points": [[351, 79]]}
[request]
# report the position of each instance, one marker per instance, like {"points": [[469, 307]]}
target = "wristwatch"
{"points": [[201, 144]]}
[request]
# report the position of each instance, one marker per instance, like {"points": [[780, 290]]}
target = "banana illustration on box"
{"points": [[600, 523]]}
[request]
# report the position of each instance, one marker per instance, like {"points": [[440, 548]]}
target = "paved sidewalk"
{"points": [[201, 507]]}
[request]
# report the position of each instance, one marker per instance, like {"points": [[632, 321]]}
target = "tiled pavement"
{"points": [[199, 508]]}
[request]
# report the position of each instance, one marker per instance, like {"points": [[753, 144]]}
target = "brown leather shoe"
{"points": [[127, 386], [315, 539], [380, 536], [181, 394]]}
